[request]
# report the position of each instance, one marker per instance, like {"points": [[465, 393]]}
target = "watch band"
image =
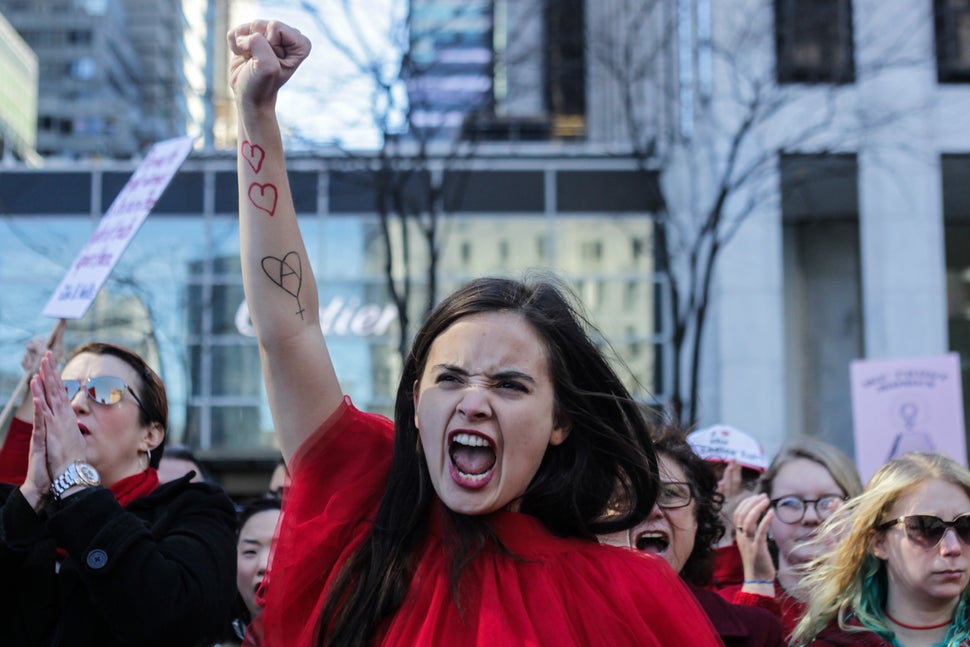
{"points": [[73, 476], [64, 481]]}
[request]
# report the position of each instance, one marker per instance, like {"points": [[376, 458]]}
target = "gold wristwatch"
{"points": [[79, 473]]}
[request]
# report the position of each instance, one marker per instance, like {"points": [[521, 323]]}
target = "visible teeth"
{"points": [[473, 477], [652, 540], [470, 440]]}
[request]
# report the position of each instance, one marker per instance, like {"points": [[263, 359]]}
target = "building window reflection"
{"points": [[176, 297]]}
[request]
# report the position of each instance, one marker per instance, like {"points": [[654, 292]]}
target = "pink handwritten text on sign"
{"points": [[117, 227]]}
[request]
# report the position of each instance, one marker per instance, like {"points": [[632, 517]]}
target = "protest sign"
{"points": [[904, 405], [80, 285], [117, 227]]}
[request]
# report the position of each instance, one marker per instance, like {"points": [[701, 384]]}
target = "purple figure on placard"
{"points": [[910, 440]]}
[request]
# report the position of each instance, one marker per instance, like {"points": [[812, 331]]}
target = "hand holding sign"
{"points": [[31, 362]]}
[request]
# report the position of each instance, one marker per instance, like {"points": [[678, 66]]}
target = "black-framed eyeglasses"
{"points": [[674, 494], [927, 530], [106, 390], [791, 509]]}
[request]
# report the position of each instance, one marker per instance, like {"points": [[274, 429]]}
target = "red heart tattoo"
{"points": [[263, 196], [254, 154]]}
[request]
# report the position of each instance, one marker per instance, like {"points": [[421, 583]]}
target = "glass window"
{"points": [[176, 297], [79, 37], [952, 40], [814, 41]]}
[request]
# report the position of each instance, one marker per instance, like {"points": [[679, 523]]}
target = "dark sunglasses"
{"points": [[927, 530], [103, 389]]}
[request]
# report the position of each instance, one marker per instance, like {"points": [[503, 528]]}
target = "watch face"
{"points": [[88, 473]]}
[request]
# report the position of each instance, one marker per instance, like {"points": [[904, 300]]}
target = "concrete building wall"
{"points": [[897, 120]]}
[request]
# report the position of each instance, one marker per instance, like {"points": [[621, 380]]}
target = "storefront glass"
{"points": [[176, 297]]}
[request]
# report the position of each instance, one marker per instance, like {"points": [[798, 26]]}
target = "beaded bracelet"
{"points": [[758, 582]]}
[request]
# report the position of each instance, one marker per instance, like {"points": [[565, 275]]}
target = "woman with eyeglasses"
{"points": [[92, 550], [899, 572], [806, 482], [683, 528]]}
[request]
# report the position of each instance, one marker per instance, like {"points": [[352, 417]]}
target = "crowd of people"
{"points": [[518, 496]]}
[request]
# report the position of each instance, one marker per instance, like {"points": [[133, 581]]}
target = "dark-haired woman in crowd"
{"points": [[257, 520], [684, 527], [92, 550], [472, 518]]}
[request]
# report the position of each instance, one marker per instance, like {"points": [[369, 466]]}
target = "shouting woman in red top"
{"points": [[472, 519]]}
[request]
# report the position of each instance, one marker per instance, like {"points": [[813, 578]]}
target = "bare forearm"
{"points": [[277, 277], [280, 287]]}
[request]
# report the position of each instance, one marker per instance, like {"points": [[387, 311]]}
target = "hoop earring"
{"points": [[149, 452]]}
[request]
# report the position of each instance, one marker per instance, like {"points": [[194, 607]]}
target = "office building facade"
{"points": [[176, 294], [116, 76], [835, 160]]}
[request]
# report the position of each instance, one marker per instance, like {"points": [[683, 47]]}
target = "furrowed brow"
{"points": [[501, 375], [513, 375]]}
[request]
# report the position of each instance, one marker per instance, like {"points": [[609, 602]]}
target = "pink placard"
{"points": [[903, 405]]}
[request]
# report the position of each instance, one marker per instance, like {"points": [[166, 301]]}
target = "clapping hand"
{"points": [[56, 441]]}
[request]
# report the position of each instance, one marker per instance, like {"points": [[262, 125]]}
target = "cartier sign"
{"points": [[341, 316]]}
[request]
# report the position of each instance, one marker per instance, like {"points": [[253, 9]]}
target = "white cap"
{"points": [[722, 443]]}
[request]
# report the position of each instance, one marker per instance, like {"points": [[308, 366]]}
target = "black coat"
{"points": [[160, 572]]}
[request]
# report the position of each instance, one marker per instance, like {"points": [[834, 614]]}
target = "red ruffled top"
{"points": [[554, 591]]}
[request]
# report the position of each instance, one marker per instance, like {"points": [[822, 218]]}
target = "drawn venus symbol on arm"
{"points": [[286, 272]]}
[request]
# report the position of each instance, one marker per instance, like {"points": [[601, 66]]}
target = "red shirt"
{"points": [[15, 453], [552, 591], [787, 608], [728, 580]]}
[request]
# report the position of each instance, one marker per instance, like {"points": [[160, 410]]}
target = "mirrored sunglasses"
{"points": [[103, 389], [927, 530]]}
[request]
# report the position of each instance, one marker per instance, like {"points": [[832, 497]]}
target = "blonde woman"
{"points": [[807, 481], [898, 576]]}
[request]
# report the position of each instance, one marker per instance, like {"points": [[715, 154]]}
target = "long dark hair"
{"points": [[671, 442], [151, 391], [607, 450]]}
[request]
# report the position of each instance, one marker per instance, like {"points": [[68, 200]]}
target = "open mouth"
{"points": [[472, 459], [652, 542], [84, 430]]}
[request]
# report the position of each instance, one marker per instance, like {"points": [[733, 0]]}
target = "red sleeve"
{"points": [[339, 476], [728, 567], [15, 452], [757, 600]]}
